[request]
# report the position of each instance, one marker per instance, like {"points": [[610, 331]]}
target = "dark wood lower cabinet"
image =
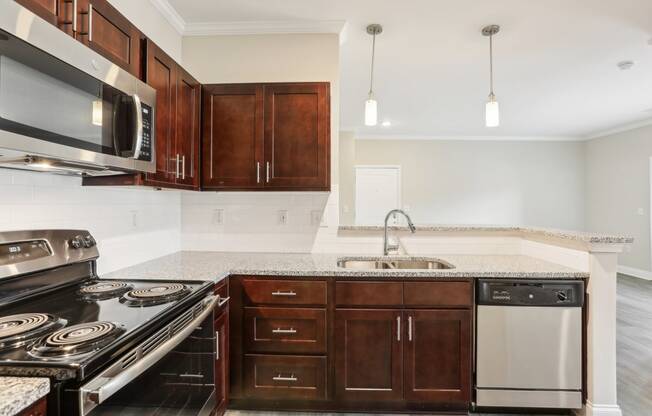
{"points": [[335, 344], [368, 355], [37, 409], [438, 356]]}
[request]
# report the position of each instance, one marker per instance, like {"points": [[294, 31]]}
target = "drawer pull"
{"points": [[281, 378], [279, 293], [284, 331]]}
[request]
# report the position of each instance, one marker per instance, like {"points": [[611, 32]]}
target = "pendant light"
{"points": [[371, 106], [492, 111]]}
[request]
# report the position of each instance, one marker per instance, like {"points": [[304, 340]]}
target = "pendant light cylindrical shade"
{"points": [[370, 112], [492, 113], [371, 105], [492, 110]]}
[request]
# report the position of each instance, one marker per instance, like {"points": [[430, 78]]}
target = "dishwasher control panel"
{"points": [[525, 292]]}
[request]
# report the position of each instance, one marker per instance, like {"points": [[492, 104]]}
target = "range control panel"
{"points": [[531, 292], [21, 251]]}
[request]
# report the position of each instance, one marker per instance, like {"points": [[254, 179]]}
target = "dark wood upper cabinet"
{"points": [[188, 128], [297, 136], [266, 137], [368, 355], [50, 10], [105, 30], [438, 356], [161, 74], [233, 136]]}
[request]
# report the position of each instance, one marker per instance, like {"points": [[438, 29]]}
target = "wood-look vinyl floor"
{"points": [[634, 343]]}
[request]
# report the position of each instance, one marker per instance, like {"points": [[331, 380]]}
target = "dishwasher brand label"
{"points": [[502, 295]]}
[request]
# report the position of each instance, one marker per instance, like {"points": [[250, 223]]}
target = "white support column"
{"points": [[601, 333]]}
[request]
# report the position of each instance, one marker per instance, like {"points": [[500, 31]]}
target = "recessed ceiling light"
{"points": [[386, 123], [625, 65]]}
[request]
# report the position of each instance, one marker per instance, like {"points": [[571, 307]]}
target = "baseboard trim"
{"points": [[591, 409], [634, 272]]}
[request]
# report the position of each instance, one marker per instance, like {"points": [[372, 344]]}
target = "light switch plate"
{"points": [[218, 217], [282, 217]]}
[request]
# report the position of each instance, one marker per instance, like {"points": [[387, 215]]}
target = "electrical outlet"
{"points": [[282, 217], [218, 217], [315, 217], [640, 211]]}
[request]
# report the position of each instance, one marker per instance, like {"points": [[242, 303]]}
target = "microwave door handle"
{"points": [[111, 380], [138, 133]]}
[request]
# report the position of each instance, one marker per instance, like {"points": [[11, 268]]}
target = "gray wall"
{"points": [[618, 184], [478, 182]]}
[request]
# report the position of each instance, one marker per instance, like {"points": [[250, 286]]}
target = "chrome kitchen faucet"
{"points": [[387, 246]]}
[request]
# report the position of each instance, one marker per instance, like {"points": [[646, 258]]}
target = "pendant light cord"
{"points": [[373, 56], [491, 65]]}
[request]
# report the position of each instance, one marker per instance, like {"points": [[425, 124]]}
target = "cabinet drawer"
{"points": [[453, 294], [291, 330], [369, 293], [284, 292], [285, 377]]}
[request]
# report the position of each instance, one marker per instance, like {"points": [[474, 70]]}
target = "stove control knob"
{"points": [[77, 242], [562, 296], [89, 241]]}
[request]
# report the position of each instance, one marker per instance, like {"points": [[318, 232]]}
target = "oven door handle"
{"points": [[107, 383]]}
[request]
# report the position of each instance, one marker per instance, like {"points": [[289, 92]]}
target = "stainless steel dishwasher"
{"points": [[529, 343]]}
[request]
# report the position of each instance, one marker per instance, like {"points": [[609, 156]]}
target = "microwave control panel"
{"points": [[146, 148]]}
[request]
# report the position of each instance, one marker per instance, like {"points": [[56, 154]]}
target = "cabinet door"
{"points": [[222, 362], [104, 29], [187, 128], [297, 136], [368, 355], [162, 75], [438, 356], [46, 9], [232, 141]]}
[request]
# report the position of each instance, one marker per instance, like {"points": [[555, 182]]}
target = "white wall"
{"points": [[618, 185], [151, 22], [130, 225], [482, 182], [251, 218]]}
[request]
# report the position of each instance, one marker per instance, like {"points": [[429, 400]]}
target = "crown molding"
{"points": [[620, 129], [263, 27], [170, 14], [371, 136]]}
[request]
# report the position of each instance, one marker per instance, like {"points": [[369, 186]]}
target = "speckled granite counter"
{"points": [[18, 393], [532, 232], [202, 265]]}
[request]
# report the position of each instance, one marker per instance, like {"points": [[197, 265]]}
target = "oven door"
{"points": [[165, 375], [61, 101]]}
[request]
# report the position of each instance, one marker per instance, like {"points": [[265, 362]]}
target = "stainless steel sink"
{"points": [[393, 264]]}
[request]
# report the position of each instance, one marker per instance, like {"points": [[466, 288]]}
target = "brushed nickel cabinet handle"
{"points": [[74, 15], [284, 331], [183, 167], [279, 293], [267, 171], [90, 22], [409, 328], [398, 328], [217, 345], [177, 168], [281, 378], [257, 172]]}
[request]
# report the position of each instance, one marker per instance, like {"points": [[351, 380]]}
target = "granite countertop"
{"points": [[18, 393], [575, 236], [215, 266]]}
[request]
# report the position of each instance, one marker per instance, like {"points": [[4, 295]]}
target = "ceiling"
{"points": [[556, 73]]}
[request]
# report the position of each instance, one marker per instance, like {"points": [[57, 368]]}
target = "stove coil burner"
{"points": [[18, 330], [104, 290], [76, 340], [155, 295]]}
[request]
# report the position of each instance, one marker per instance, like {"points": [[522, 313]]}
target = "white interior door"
{"points": [[377, 191]]}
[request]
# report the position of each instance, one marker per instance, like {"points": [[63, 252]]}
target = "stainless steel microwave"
{"points": [[64, 108]]}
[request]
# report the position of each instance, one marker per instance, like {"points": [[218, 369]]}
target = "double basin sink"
{"points": [[375, 263]]}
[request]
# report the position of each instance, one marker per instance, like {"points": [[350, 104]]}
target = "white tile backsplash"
{"points": [[36, 200]]}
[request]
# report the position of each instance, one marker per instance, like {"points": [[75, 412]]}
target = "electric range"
{"points": [[110, 347]]}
